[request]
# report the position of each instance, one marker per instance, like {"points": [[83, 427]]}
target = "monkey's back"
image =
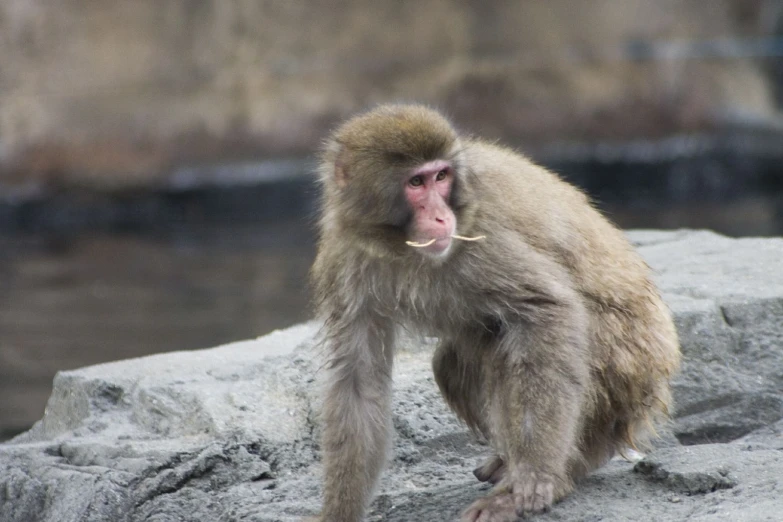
{"points": [[632, 333]]}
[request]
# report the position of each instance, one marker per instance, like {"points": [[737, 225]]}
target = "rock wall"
{"points": [[119, 94], [230, 434]]}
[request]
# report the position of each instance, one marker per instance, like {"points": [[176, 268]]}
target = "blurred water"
{"points": [[71, 302], [192, 270]]}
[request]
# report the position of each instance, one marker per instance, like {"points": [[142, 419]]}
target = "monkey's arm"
{"points": [[544, 382], [356, 413], [539, 362]]}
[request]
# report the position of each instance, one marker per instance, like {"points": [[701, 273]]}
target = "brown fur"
{"points": [[554, 343]]}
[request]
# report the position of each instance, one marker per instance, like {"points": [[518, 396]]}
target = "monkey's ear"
{"points": [[340, 169]]}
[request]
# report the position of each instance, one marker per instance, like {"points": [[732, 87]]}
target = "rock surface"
{"points": [[229, 434], [119, 95]]}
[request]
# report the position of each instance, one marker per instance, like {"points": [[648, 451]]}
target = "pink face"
{"points": [[427, 191]]}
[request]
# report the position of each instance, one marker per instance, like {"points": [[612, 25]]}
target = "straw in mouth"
{"points": [[415, 244]]}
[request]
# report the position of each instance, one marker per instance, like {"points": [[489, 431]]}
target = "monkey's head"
{"points": [[396, 174]]}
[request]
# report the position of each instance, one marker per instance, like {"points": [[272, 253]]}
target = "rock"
{"points": [[727, 297], [229, 434], [119, 96], [693, 471], [719, 481]]}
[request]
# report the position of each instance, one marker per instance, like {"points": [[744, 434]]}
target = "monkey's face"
{"points": [[397, 184], [427, 192]]}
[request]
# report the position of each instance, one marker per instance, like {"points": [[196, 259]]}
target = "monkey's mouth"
{"points": [[437, 246]]}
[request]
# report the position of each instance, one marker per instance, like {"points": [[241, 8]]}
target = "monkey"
{"points": [[554, 345]]}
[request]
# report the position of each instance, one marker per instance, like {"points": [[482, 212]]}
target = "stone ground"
{"points": [[229, 434]]}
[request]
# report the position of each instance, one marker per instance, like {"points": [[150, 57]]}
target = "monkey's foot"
{"points": [[530, 492], [492, 470], [631, 455]]}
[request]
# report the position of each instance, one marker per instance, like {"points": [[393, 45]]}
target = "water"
{"points": [[84, 280], [71, 302]]}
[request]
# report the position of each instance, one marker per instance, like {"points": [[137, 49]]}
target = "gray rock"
{"points": [[727, 297], [230, 434], [302, 67]]}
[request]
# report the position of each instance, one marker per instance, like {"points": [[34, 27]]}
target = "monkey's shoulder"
{"points": [[513, 174]]}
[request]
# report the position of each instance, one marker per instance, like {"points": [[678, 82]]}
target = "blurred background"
{"points": [[156, 156]]}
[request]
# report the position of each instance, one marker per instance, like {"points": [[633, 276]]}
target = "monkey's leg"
{"points": [[534, 417], [357, 409], [458, 374], [457, 370]]}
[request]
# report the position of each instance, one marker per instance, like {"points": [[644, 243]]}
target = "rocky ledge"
{"points": [[229, 434]]}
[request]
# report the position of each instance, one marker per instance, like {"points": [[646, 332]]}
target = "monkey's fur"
{"points": [[554, 344]]}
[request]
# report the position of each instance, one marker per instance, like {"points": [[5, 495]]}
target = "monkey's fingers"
{"points": [[492, 508], [414, 244], [534, 493]]}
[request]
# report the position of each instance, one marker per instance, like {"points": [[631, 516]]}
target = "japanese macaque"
{"points": [[554, 344]]}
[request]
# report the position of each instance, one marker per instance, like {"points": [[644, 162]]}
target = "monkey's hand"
{"points": [[533, 492], [528, 492], [495, 507]]}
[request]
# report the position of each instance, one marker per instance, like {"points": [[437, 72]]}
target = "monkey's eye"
{"points": [[442, 175], [416, 181]]}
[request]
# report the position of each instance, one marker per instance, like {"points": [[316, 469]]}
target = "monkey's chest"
{"points": [[443, 313]]}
